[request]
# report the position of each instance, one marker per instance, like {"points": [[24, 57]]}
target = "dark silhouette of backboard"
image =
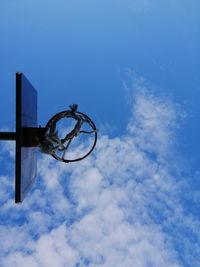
{"points": [[26, 117]]}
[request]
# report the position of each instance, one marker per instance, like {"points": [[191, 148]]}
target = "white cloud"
{"points": [[123, 206]]}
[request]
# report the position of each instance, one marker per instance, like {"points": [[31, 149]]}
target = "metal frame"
{"points": [[26, 137], [18, 137]]}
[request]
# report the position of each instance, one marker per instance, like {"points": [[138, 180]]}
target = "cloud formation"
{"points": [[123, 206]]}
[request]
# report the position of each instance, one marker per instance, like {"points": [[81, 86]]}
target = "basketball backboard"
{"points": [[29, 137], [26, 116]]}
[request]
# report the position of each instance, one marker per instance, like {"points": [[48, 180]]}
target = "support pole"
{"points": [[29, 136], [7, 135]]}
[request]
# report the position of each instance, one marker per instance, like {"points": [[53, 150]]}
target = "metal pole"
{"points": [[7, 135]]}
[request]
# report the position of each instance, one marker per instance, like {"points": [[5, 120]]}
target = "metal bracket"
{"points": [[32, 137]]}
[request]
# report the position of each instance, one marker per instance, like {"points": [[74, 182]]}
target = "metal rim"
{"points": [[68, 113]]}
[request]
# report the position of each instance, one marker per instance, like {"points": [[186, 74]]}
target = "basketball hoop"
{"points": [[59, 146], [69, 136]]}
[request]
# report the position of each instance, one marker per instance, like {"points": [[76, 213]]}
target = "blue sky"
{"points": [[133, 67]]}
